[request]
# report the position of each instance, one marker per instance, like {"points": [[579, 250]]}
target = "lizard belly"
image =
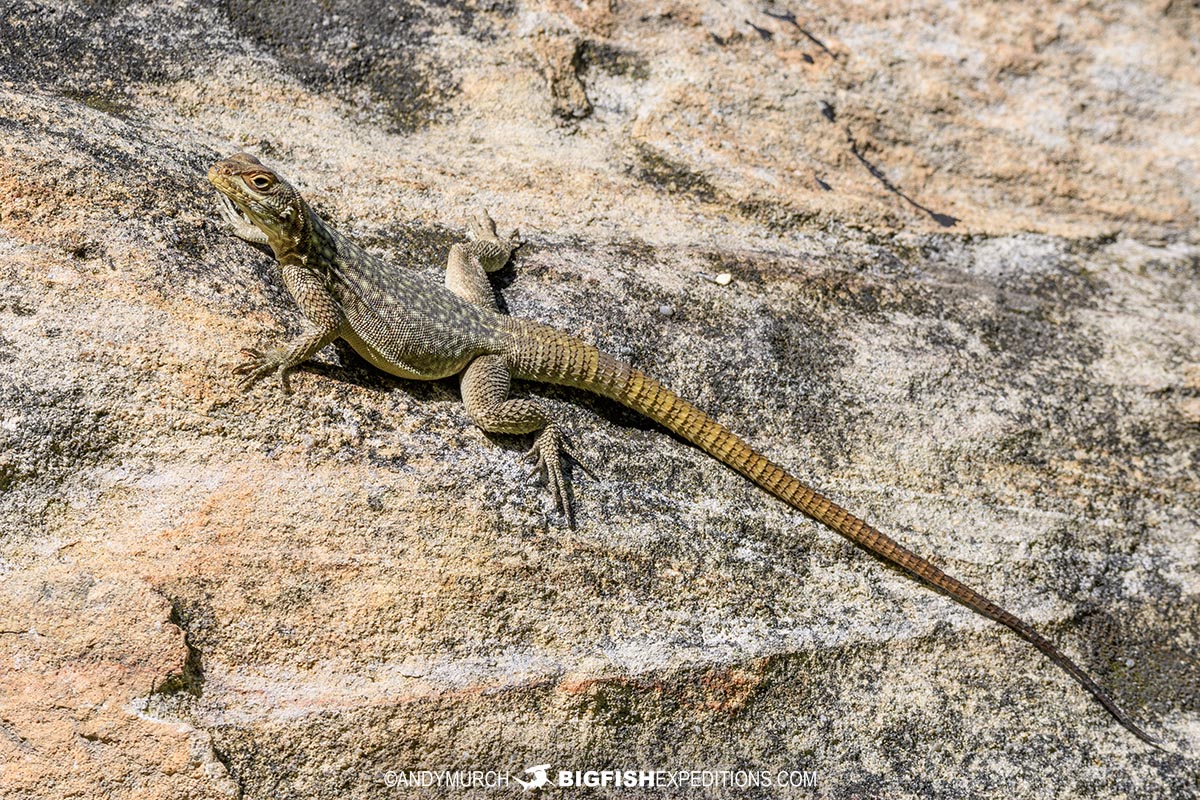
{"points": [[429, 367], [405, 333]]}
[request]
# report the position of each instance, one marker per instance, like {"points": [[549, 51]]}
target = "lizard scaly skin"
{"points": [[413, 328]]}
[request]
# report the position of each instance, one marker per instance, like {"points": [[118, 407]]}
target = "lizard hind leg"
{"points": [[470, 262], [492, 251], [485, 388], [466, 277]]}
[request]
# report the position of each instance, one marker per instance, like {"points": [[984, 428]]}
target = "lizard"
{"points": [[410, 326]]}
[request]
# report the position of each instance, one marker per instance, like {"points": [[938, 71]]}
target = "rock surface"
{"points": [[965, 282]]}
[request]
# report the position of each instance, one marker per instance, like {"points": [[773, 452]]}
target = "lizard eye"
{"points": [[260, 182]]}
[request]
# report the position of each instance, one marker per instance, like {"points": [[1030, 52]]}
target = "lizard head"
{"points": [[259, 195]]}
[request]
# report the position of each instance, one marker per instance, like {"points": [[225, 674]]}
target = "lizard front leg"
{"points": [[326, 322], [233, 222], [485, 387], [279, 361]]}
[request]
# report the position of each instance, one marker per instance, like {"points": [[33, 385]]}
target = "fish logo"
{"points": [[538, 780]]}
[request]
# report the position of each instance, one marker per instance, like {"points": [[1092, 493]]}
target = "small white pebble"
{"points": [[666, 310], [723, 279], [1129, 662]]}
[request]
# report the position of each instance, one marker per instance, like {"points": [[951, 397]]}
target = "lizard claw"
{"points": [[566, 447], [259, 365], [482, 225], [234, 222], [546, 454], [230, 219]]}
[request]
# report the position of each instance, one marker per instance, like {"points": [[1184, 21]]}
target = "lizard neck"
{"points": [[309, 237]]}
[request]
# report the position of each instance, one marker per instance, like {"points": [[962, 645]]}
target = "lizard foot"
{"points": [[483, 229], [259, 365], [547, 455], [233, 221]]}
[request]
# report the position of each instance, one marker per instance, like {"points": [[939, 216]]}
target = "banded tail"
{"points": [[548, 355]]}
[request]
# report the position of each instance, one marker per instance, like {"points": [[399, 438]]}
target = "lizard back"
{"points": [[398, 319]]}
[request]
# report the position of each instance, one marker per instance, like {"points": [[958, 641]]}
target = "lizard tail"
{"points": [[548, 355]]}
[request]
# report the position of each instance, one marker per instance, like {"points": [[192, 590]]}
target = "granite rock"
{"points": [[964, 282]]}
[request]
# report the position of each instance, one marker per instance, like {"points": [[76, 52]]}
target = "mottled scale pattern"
{"points": [[400, 321]]}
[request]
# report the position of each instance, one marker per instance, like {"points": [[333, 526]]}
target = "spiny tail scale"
{"points": [[548, 355]]}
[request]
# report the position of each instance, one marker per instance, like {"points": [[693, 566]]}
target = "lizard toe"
{"points": [[537, 462], [252, 357], [481, 223], [546, 453], [566, 447], [259, 365], [231, 220]]}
